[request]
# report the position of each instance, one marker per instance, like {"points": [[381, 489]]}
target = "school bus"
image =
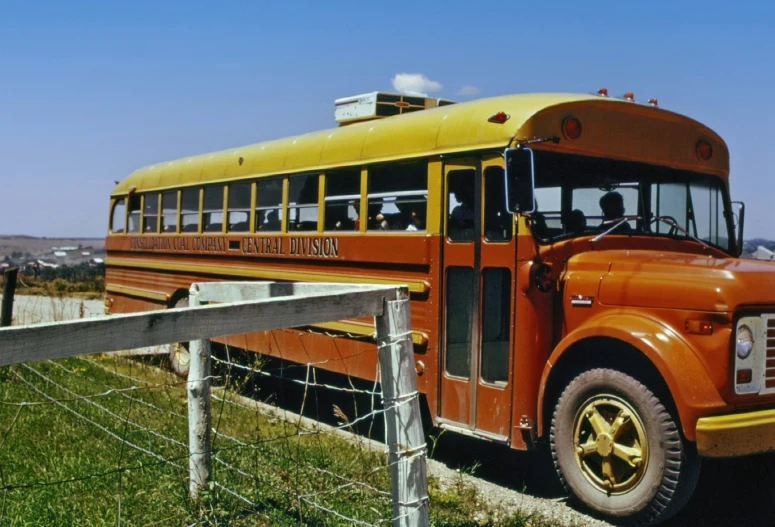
{"points": [[573, 264]]}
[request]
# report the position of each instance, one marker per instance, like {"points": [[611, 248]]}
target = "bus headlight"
{"points": [[744, 342]]}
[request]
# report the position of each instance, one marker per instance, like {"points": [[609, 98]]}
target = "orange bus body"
{"points": [[661, 307]]}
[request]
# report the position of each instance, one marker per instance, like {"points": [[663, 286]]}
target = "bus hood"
{"points": [[680, 280]]}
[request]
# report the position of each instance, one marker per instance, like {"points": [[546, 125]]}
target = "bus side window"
{"points": [[342, 201], [118, 219], [239, 207], [212, 217], [169, 211], [151, 213], [189, 210], [134, 213], [303, 203], [497, 220], [398, 196], [460, 206], [269, 205]]}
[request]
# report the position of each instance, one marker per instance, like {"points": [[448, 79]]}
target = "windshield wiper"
{"points": [[665, 219], [675, 225], [618, 223]]}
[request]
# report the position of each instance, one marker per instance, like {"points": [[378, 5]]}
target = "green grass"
{"points": [[59, 469]]}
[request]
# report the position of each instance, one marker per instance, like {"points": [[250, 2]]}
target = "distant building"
{"points": [[64, 248], [60, 254], [762, 253], [96, 261], [86, 253]]}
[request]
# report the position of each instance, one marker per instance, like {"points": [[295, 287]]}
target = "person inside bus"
{"points": [[415, 222], [461, 219], [575, 222], [377, 220], [612, 206], [272, 221]]}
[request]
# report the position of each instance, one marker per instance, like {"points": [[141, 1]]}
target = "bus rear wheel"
{"points": [[178, 351], [618, 451]]}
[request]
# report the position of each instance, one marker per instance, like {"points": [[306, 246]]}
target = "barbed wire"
{"points": [[292, 453]]}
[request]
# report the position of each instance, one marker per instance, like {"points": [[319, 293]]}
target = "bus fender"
{"points": [[691, 389]]}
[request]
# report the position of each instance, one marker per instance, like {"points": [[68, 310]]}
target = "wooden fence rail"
{"points": [[218, 309]]}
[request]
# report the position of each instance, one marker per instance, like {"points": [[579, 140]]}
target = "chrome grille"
{"points": [[769, 352]]}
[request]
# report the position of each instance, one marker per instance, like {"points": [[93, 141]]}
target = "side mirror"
{"points": [[739, 211], [520, 180]]}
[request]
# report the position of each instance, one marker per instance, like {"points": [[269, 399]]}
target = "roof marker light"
{"points": [[603, 92], [571, 128], [499, 118], [629, 96], [704, 150], [653, 102]]}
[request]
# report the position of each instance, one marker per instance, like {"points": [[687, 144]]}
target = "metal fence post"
{"points": [[9, 289], [199, 419], [406, 441]]}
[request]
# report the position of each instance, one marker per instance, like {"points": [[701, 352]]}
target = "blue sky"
{"points": [[90, 91]]}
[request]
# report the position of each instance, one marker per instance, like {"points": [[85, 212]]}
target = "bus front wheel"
{"points": [[618, 451]]}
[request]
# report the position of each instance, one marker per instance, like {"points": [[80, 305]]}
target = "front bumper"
{"points": [[736, 434]]}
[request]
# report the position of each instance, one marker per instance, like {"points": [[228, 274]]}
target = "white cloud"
{"points": [[415, 84], [469, 90]]}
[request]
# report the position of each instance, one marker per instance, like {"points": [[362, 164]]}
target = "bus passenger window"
{"points": [[212, 211], [169, 211], [303, 203], [269, 205], [133, 221], [460, 298], [496, 316], [398, 197], [239, 207], [460, 211], [497, 220], [342, 201], [151, 213], [118, 219], [189, 210]]}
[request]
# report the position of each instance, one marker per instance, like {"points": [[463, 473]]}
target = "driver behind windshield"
{"points": [[612, 206]]}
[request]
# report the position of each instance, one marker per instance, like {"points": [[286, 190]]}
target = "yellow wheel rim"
{"points": [[181, 354], [610, 444]]}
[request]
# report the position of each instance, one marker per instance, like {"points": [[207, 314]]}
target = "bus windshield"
{"points": [[582, 196]]}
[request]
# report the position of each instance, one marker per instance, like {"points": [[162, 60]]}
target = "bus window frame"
{"points": [[367, 195], [143, 214], [229, 210], [343, 198], [116, 201], [255, 208], [177, 211], [202, 211]]}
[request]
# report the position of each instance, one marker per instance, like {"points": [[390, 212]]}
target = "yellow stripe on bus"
{"points": [[415, 286], [133, 291], [418, 338]]}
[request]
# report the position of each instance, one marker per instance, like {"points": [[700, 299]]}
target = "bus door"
{"points": [[478, 274]]}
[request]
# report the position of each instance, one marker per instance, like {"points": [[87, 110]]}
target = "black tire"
{"points": [[618, 477], [178, 352]]}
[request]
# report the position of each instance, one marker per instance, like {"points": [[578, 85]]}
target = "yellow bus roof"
{"points": [[444, 130]]}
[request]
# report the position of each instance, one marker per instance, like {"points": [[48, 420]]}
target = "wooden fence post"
{"points": [[199, 419], [406, 441], [9, 289]]}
